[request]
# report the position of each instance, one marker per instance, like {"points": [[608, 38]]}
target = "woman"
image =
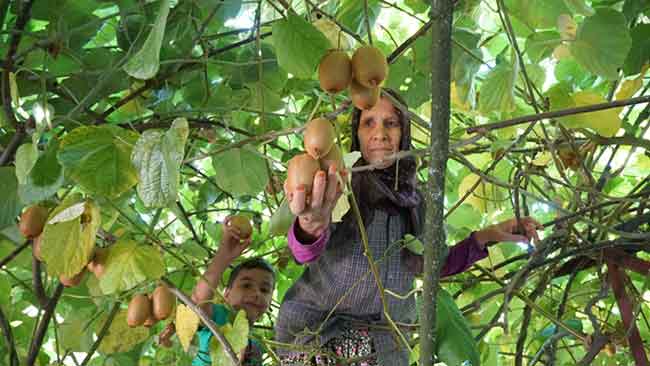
{"points": [[335, 304]]}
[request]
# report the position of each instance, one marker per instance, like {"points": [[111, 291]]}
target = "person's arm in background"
{"points": [[474, 248], [231, 247]]}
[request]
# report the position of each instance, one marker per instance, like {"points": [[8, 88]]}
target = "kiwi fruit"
{"points": [[163, 302], [72, 281], [243, 224], [32, 221], [335, 71], [362, 97], [334, 157], [369, 66], [151, 321], [36, 249], [98, 264], [319, 137], [301, 171], [139, 310]]}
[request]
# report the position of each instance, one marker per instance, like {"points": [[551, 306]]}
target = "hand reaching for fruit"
{"points": [[236, 236], [524, 230]]}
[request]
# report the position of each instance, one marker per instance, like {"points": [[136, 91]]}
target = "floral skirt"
{"points": [[351, 344]]}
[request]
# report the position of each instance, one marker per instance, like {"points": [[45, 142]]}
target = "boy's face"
{"points": [[251, 290]]}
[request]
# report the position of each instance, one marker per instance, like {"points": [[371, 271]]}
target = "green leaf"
{"points": [[579, 7], [157, 157], [237, 336], [456, 344], [145, 64], [10, 205], [414, 244], [45, 178], [240, 172], [281, 220], [299, 45], [602, 43], [540, 45], [537, 13], [352, 15], [498, 90], [120, 337], [26, 157], [74, 334], [87, 150], [128, 264], [68, 239], [640, 51]]}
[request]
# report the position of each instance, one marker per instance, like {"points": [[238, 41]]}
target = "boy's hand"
{"points": [[314, 215], [232, 242], [510, 230]]}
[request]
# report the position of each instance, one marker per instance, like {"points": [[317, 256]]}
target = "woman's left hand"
{"points": [[510, 230]]}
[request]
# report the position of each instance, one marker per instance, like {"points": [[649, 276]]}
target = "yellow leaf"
{"points": [[457, 102], [338, 39], [543, 159], [630, 87], [341, 208], [567, 27], [187, 323], [13, 89], [477, 199], [606, 122]]}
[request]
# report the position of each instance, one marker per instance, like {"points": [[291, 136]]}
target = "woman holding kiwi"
{"points": [[335, 304]]}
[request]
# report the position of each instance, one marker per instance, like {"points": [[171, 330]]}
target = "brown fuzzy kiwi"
{"points": [[243, 224], [98, 264], [369, 66], [335, 71], [319, 137], [36, 248], [334, 157], [150, 322], [139, 310], [72, 281], [362, 97], [163, 302], [32, 221], [301, 171]]}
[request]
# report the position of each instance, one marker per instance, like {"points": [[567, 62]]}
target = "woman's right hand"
{"points": [[314, 216]]}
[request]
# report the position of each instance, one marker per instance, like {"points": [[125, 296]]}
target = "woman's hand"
{"points": [[510, 230], [232, 242], [314, 215]]}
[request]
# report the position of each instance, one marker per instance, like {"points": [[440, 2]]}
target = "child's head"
{"points": [[250, 287]]}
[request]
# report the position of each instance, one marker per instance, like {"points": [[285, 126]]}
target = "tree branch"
{"points": [[554, 114], [39, 336], [37, 282], [441, 16], [14, 254], [11, 345]]}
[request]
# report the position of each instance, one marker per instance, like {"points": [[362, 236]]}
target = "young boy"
{"points": [[250, 287]]}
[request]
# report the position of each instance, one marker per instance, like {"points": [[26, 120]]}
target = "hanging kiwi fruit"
{"points": [[98, 264], [335, 71], [319, 137], [243, 224], [163, 302], [334, 157], [362, 97], [72, 281], [139, 310], [369, 66], [32, 221]]}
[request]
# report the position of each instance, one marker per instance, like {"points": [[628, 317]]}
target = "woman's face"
{"points": [[380, 132]]}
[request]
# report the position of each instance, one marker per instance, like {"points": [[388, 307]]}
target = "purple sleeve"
{"points": [[305, 253], [462, 256]]}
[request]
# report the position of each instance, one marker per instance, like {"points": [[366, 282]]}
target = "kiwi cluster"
{"points": [[321, 153], [147, 310], [362, 74]]}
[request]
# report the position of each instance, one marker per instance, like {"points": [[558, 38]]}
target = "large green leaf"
{"points": [[537, 14], [120, 337], [74, 334], [10, 205], [26, 157], [352, 15], [299, 45], [540, 45], [602, 43], [157, 157], [281, 220], [498, 90], [145, 64], [237, 336], [87, 150], [68, 239], [240, 172], [128, 264], [640, 51], [45, 178], [456, 344]]}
